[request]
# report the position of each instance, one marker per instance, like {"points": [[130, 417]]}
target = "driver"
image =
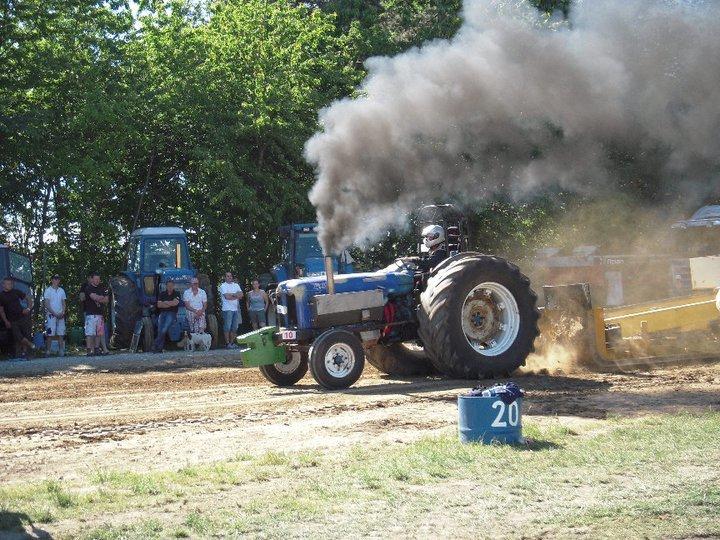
{"points": [[434, 239]]}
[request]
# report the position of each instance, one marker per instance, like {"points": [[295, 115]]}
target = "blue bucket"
{"points": [[489, 419]]}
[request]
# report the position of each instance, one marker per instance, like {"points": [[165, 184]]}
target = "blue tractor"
{"points": [[17, 266], [155, 254], [468, 316]]}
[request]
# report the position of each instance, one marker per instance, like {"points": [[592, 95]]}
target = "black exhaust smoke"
{"points": [[516, 105]]}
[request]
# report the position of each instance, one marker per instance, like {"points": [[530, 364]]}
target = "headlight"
{"points": [[282, 310]]}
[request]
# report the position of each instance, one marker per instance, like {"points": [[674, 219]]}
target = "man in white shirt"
{"points": [[231, 294], [54, 300], [195, 301]]}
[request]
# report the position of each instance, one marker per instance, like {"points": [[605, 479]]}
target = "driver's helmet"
{"points": [[433, 235]]}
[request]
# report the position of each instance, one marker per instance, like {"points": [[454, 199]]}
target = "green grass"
{"points": [[656, 476]]}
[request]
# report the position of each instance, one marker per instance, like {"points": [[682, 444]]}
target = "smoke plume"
{"points": [[514, 105]]}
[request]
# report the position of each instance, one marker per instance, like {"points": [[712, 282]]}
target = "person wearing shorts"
{"points": [[231, 294], [96, 296], [257, 303], [55, 307]]}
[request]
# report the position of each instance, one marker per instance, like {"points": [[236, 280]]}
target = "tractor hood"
{"points": [[390, 282]]}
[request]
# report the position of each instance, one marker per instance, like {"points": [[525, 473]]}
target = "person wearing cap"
{"points": [[167, 308], [16, 317], [55, 307]]}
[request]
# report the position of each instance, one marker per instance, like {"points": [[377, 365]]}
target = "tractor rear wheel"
{"points": [[478, 317], [125, 311], [289, 372], [206, 285], [148, 334], [336, 359], [213, 330], [399, 359]]}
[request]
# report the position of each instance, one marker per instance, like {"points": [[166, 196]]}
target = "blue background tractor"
{"points": [[19, 267], [300, 248], [155, 254]]}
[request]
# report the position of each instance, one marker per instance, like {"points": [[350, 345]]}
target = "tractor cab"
{"points": [[301, 249], [155, 255]]}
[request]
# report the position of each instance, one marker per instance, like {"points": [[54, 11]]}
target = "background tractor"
{"points": [[17, 266], [472, 316], [300, 248], [155, 255]]}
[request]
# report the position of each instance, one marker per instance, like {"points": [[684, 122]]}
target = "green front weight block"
{"points": [[258, 349]]}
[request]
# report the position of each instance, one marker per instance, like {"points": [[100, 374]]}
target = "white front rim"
{"points": [[291, 365], [339, 360], [490, 318]]}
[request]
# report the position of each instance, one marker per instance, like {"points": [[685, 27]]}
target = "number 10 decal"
{"points": [[512, 416]]}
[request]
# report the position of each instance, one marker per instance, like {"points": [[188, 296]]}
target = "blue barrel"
{"points": [[489, 419]]}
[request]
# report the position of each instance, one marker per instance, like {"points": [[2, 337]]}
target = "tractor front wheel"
{"points": [[336, 359], [125, 311], [478, 317], [289, 372]]}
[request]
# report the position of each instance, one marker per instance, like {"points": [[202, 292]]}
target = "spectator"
{"points": [[95, 297], [55, 307], [16, 317], [195, 301], [231, 294], [257, 303], [82, 295], [167, 306]]}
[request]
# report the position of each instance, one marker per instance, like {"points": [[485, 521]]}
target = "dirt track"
{"points": [[70, 424]]}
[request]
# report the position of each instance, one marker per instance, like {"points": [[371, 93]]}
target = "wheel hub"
{"points": [[483, 316], [339, 360], [490, 318]]}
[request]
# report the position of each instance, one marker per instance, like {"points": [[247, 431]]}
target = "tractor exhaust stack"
{"points": [[330, 275]]}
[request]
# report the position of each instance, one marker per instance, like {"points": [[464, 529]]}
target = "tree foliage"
{"points": [[115, 115]]}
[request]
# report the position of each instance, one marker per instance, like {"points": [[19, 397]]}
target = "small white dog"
{"points": [[199, 342]]}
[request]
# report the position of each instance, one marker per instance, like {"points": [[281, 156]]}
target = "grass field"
{"points": [[656, 476]]}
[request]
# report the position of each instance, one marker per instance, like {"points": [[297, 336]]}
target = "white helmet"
{"points": [[433, 235]]}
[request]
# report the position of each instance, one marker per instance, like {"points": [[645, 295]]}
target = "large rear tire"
{"points": [[399, 359], [148, 334], [336, 359], [206, 285], [288, 373], [213, 330], [125, 311], [478, 317]]}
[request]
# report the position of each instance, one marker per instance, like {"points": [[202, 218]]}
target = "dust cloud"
{"points": [[515, 105]]}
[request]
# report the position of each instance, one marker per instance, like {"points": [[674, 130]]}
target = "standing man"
{"points": [[167, 306], [55, 307], [195, 301], [257, 304], [231, 294], [15, 317], [96, 296]]}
